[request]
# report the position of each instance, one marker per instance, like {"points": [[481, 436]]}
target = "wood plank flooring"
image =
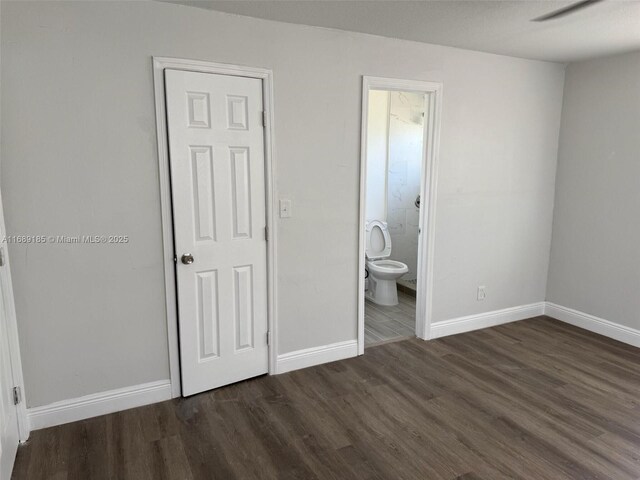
{"points": [[536, 399], [383, 324]]}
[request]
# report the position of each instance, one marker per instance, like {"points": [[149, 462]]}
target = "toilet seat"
{"points": [[387, 266], [378, 240]]}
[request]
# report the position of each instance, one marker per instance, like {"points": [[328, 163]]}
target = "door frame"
{"points": [[12, 334], [428, 191], [169, 253]]}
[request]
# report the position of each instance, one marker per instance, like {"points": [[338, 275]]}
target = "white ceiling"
{"points": [[502, 27]]}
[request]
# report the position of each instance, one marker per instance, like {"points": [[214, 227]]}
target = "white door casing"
{"points": [[9, 436], [216, 150], [428, 193], [13, 419]]}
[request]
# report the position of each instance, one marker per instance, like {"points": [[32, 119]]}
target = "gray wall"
{"points": [[595, 258], [79, 156]]}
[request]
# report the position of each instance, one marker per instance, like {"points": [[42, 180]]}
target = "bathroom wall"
{"points": [[403, 185], [377, 148]]}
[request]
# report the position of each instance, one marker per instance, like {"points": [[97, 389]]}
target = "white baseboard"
{"points": [[594, 324], [316, 355], [97, 404], [111, 401], [484, 320]]}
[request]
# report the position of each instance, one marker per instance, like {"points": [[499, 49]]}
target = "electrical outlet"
{"points": [[482, 294]]}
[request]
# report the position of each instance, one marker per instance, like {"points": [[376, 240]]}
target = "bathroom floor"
{"points": [[384, 324]]}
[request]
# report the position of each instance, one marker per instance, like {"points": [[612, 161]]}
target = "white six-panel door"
{"points": [[216, 149]]}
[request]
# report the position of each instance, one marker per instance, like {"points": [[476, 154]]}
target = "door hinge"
{"points": [[264, 118], [266, 233], [268, 337], [17, 395]]}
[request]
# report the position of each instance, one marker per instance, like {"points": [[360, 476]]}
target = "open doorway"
{"points": [[397, 208]]}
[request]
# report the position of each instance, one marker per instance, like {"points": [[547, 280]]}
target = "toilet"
{"points": [[383, 272]]}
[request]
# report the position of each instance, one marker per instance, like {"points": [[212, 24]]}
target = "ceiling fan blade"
{"points": [[566, 10]]}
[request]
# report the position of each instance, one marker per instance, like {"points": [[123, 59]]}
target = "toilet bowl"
{"points": [[383, 272]]}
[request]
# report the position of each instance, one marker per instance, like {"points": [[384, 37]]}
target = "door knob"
{"points": [[187, 259]]}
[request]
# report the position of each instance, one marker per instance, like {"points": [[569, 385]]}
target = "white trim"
{"points": [[484, 320], [429, 182], [316, 356], [111, 401], [159, 64], [12, 335], [97, 404], [594, 324]]}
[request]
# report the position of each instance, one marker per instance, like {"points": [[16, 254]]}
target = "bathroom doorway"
{"points": [[400, 121]]}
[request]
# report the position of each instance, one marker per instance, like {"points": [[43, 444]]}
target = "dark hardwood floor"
{"points": [[536, 399]]}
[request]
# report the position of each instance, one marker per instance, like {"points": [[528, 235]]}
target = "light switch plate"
{"points": [[285, 208]]}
